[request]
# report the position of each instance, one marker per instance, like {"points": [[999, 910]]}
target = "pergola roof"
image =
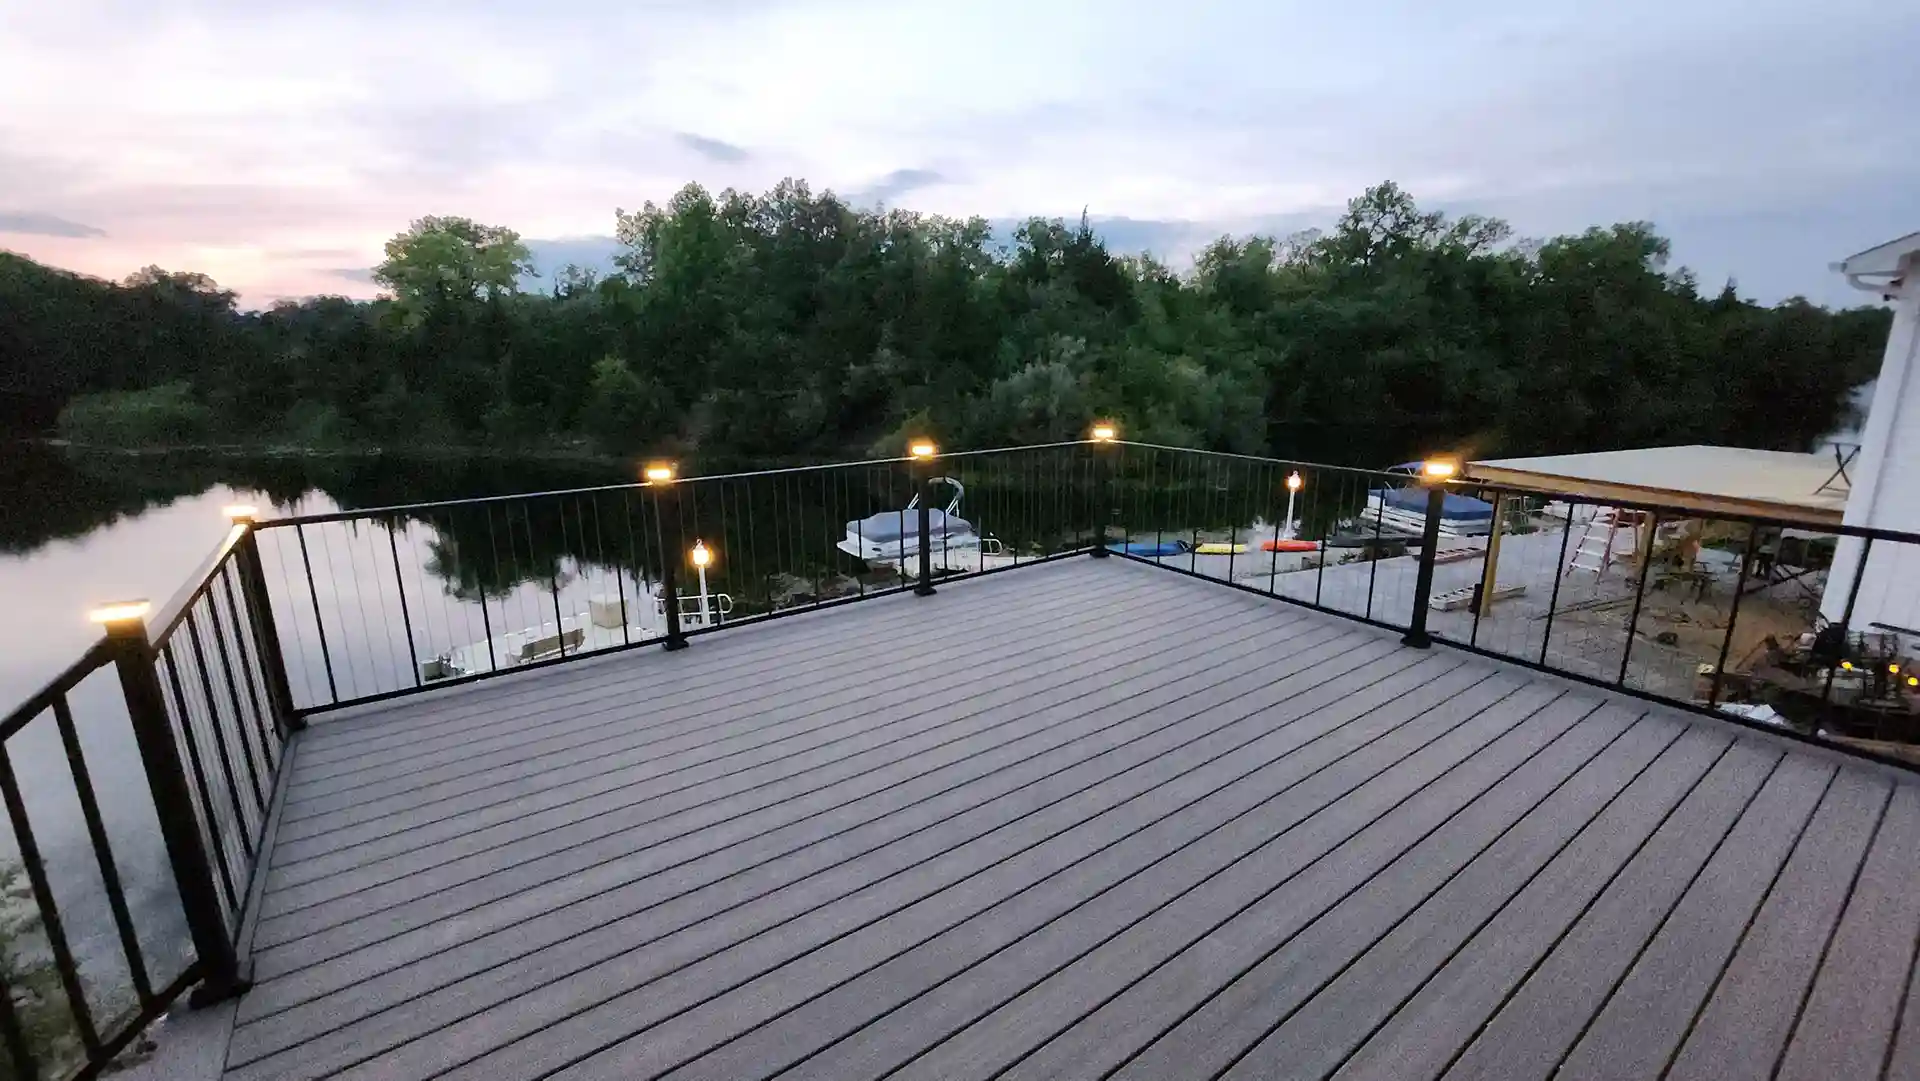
{"points": [[1710, 480]]}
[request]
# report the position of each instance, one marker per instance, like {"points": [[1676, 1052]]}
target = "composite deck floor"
{"points": [[1085, 820]]}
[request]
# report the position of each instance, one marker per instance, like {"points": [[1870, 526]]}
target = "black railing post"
{"points": [[923, 467], [1102, 494], [668, 513], [266, 636], [133, 657], [1416, 635]]}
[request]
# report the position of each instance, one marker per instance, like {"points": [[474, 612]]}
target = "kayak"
{"points": [[1221, 548], [1289, 546], [1145, 548]]}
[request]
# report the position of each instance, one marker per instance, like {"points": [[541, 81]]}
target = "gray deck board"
{"points": [[1848, 1023], [1083, 820]]}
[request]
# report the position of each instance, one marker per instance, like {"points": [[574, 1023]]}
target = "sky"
{"points": [[276, 144]]}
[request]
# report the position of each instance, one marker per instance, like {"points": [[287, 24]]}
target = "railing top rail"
{"points": [[175, 610], [89, 662], [446, 504], [1400, 478]]}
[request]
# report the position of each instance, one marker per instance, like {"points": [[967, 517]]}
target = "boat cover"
{"points": [[1459, 508], [888, 527]]}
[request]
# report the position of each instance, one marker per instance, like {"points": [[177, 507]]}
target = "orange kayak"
{"points": [[1289, 546]]}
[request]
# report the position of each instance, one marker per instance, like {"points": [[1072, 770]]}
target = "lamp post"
{"points": [[659, 477], [1294, 484], [922, 451], [702, 555], [1102, 435]]}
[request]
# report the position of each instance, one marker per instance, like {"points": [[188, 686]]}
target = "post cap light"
{"points": [[921, 448], [1893, 668], [1847, 665], [240, 512], [702, 555], [658, 472], [1105, 432], [120, 612], [1439, 468], [1294, 481]]}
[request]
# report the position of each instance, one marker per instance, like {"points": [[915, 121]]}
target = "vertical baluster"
{"points": [[200, 783], [239, 714], [1639, 595], [56, 932], [1559, 572], [1379, 524], [103, 852], [400, 585], [219, 745], [260, 708], [1733, 615], [319, 623], [266, 633]]}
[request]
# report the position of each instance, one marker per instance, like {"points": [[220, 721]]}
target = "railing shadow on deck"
{"points": [[1749, 619]]}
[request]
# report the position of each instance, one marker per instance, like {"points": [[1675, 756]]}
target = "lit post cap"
{"points": [[922, 448], [1294, 481], [121, 617], [1435, 470], [701, 554], [241, 513], [658, 472], [1104, 432]]}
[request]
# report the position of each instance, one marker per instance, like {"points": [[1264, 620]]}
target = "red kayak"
{"points": [[1289, 546]]}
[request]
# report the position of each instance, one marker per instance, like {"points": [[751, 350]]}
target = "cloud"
{"points": [[712, 149], [268, 138], [897, 183], [362, 274], [34, 223]]}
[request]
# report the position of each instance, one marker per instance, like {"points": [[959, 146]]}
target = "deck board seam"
{"points": [[695, 693], [1532, 876], [998, 901], [848, 739], [1345, 895], [741, 648], [1746, 927], [1353, 959], [1182, 893], [1027, 814], [1600, 892], [1069, 606], [1653, 933], [369, 716], [1905, 1003], [744, 724], [962, 719], [1073, 765], [1826, 945]]}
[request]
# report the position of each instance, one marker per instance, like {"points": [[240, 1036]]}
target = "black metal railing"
{"points": [[374, 604], [1330, 537], [1787, 625], [149, 900], [1766, 621]]}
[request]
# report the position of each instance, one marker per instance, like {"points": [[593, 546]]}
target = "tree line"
{"points": [[794, 325]]}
